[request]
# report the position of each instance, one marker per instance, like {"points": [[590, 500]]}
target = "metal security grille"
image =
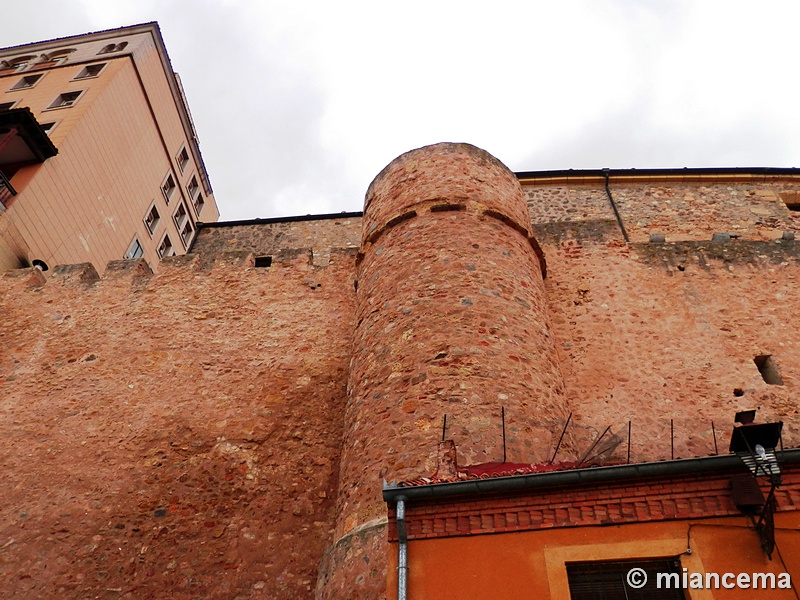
{"points": [[608, 580]]}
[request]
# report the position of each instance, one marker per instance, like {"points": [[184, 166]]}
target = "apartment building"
{"points": [[99, 158]]}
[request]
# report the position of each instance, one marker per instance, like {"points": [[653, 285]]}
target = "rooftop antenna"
{"points": [[714, 433], [558, 445], [597, 441], [503, 417], [629, 443]]}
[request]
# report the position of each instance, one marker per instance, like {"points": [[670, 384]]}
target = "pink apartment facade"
{"points": [[99, 158]]}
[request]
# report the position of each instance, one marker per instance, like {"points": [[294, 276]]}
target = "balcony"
{"points": [[6, 191], [23, 142]]}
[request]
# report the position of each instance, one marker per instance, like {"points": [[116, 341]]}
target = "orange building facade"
{"points": [[98, 152], [487, 385]]}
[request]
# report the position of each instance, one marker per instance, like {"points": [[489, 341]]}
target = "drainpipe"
{"points": [[614, 207], [402, 551]]}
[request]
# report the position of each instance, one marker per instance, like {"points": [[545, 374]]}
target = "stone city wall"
{"points": [[181, 432], [175, 434]]}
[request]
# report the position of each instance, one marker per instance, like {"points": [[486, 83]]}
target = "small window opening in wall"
{"points": [[152, 219], [447, 207], [186, 233], [198, 203], [168, 187], [196, 195], [7, 105], [27, 82], [135, 250], [66, 99], [738, 392], [91, 71], [263, 262], [791, 199], [769, 372], [165, 247], [40, 264], [48, 127], [183, 159], [180, 216]]}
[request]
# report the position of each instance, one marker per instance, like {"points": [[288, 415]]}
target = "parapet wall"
{"points": [[175, 434], [268, 237], [680, 208]]}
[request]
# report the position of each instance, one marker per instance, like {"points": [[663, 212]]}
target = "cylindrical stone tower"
{"points": [[451, 320]]}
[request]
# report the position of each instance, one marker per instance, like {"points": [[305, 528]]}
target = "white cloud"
{"points": [[299, 105]]}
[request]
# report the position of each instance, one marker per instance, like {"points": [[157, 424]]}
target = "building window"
{"points": [[57, 56], [183, 224], [180, 216], [152, 219], [27, 82], [791, 199], [91, 71], [165, 247], [186, 233], [48, 127], [768, 369], [196, 195], [609, 580], [113, 48], [65, 100], [183, 159], [20, 62], [168, 187], [7, 105], [135, 250]]}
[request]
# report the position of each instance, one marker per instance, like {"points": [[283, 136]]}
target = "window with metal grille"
{"points": [[608, 580]]}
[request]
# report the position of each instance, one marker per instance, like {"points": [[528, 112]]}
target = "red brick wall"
{"points": [[613, 503]]}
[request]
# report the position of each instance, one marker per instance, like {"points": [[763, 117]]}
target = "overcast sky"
{"points": [[298, 105]]}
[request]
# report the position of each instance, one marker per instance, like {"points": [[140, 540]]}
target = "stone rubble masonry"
{"points": [[267, 237], [752, 208], [180, 433], [175, 434], [451, 319]]}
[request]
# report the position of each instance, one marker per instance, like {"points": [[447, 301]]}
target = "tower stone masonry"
{"points": [[451, 322]]}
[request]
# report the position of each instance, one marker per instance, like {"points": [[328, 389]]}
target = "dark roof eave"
{"points": [[589, 476], [676, 172], [270, 220]]}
